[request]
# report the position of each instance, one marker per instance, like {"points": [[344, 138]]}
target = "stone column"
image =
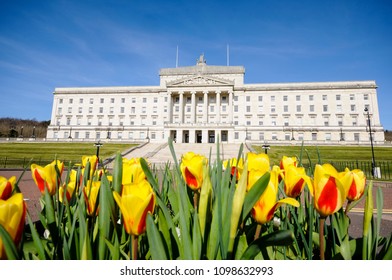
{"points": [[169, 108], [218, 105], [205, 107], [193, 107], [230, 109], [181, 113]]}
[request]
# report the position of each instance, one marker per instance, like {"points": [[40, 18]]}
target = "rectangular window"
{"points": [[91, 101], [236, 135], [338, 97], [298, 108], [102, 100], [80, 110], [144, 100], [260, 98], [101, 110], [285, 108], [327, 136], [122, 100], [248, 99], [325, 108], [273, 109], [352, 97], [248, 109], [311, 108], [261, 136], [311, 97], [298, 97], [352, 108], [324, 97], [80, 100], [111, 100], [366, 97], [314, 136], [273, 98], [285, 98]]}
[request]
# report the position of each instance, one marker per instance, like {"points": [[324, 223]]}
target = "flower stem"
{"points": [[134, 239], [196, 196], [258, 231], [347, 207], [321, 235]]}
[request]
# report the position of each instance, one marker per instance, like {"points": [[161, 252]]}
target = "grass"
{"points": [[19, 154], [329, 153]]}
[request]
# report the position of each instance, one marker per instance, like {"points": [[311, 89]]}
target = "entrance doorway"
{"points": [[185, 138], [173, 135], [211, 136], [199, 137], [224, 135]]}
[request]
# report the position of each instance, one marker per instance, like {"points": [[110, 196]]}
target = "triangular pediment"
{"points": [[201, 80]]}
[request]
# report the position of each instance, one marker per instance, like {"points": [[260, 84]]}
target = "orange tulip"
{"points": [[264, 209], [136, 201], [354, 182], [132, 171], [328, 190], [12, 218], [91, 196], [295, 179], [192, 169], [6, 187], [47, 177]]}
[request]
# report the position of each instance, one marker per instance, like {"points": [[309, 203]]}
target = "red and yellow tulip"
{"points": [[93, 160], [136, 200], [295, 179], [69, 189], [91, 196], [6, 187], [354, 182], [328, 190], [12, 218], [192, 169], [264, 209], [235, 165], [132, 171], [48, 176], [287, 161]]}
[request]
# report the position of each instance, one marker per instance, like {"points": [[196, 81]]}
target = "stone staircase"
{"points": [[159, 154]]}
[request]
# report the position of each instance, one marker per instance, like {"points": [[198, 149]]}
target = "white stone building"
{"points": [[198, 104]]}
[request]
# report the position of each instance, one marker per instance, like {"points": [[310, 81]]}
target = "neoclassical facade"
{"points": [[204, 103]]}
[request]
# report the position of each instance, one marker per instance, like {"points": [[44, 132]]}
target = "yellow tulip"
{"points": [[6, 187], [295, 179], [12, 218], [132, 171], [264, 209], [328, 190], [192, 169], [136, 201], [91, 196], [354, 182], [258, 162], [258, 165], [47, 176]]}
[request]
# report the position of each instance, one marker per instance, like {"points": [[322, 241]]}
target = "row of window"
{"points": [[224, 98]]}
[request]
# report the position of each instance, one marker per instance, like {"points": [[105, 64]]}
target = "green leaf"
{"points": [[150, 177], [254, 194], [10, 250], [106, 206], [157, 248], [277, 238], [117, 173], [196, 238], [37, 241]]}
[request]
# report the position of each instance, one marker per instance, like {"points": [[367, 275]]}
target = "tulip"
{"points": [[136, 201], [328, 190], [287, 161], [12, 218], [69, 189], [236, 167], [265, 207], [295, 179], [354, 182], [192, 169], [48, 176], [93, 164], [91, 196], [6, 187], [258, 162], [132, 171]]}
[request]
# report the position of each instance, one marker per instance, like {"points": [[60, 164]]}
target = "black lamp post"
{"points": [[266, 147], [292, 134], [371, 140], [33, 136], [98, 145]]}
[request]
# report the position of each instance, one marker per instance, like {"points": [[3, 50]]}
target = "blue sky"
{"points": [[49, 44]]}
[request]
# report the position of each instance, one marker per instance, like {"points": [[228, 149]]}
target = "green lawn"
{"points": [[329, 153], [19, 154]]}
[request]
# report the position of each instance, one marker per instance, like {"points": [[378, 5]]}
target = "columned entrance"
{"points": [[185, 136]]}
